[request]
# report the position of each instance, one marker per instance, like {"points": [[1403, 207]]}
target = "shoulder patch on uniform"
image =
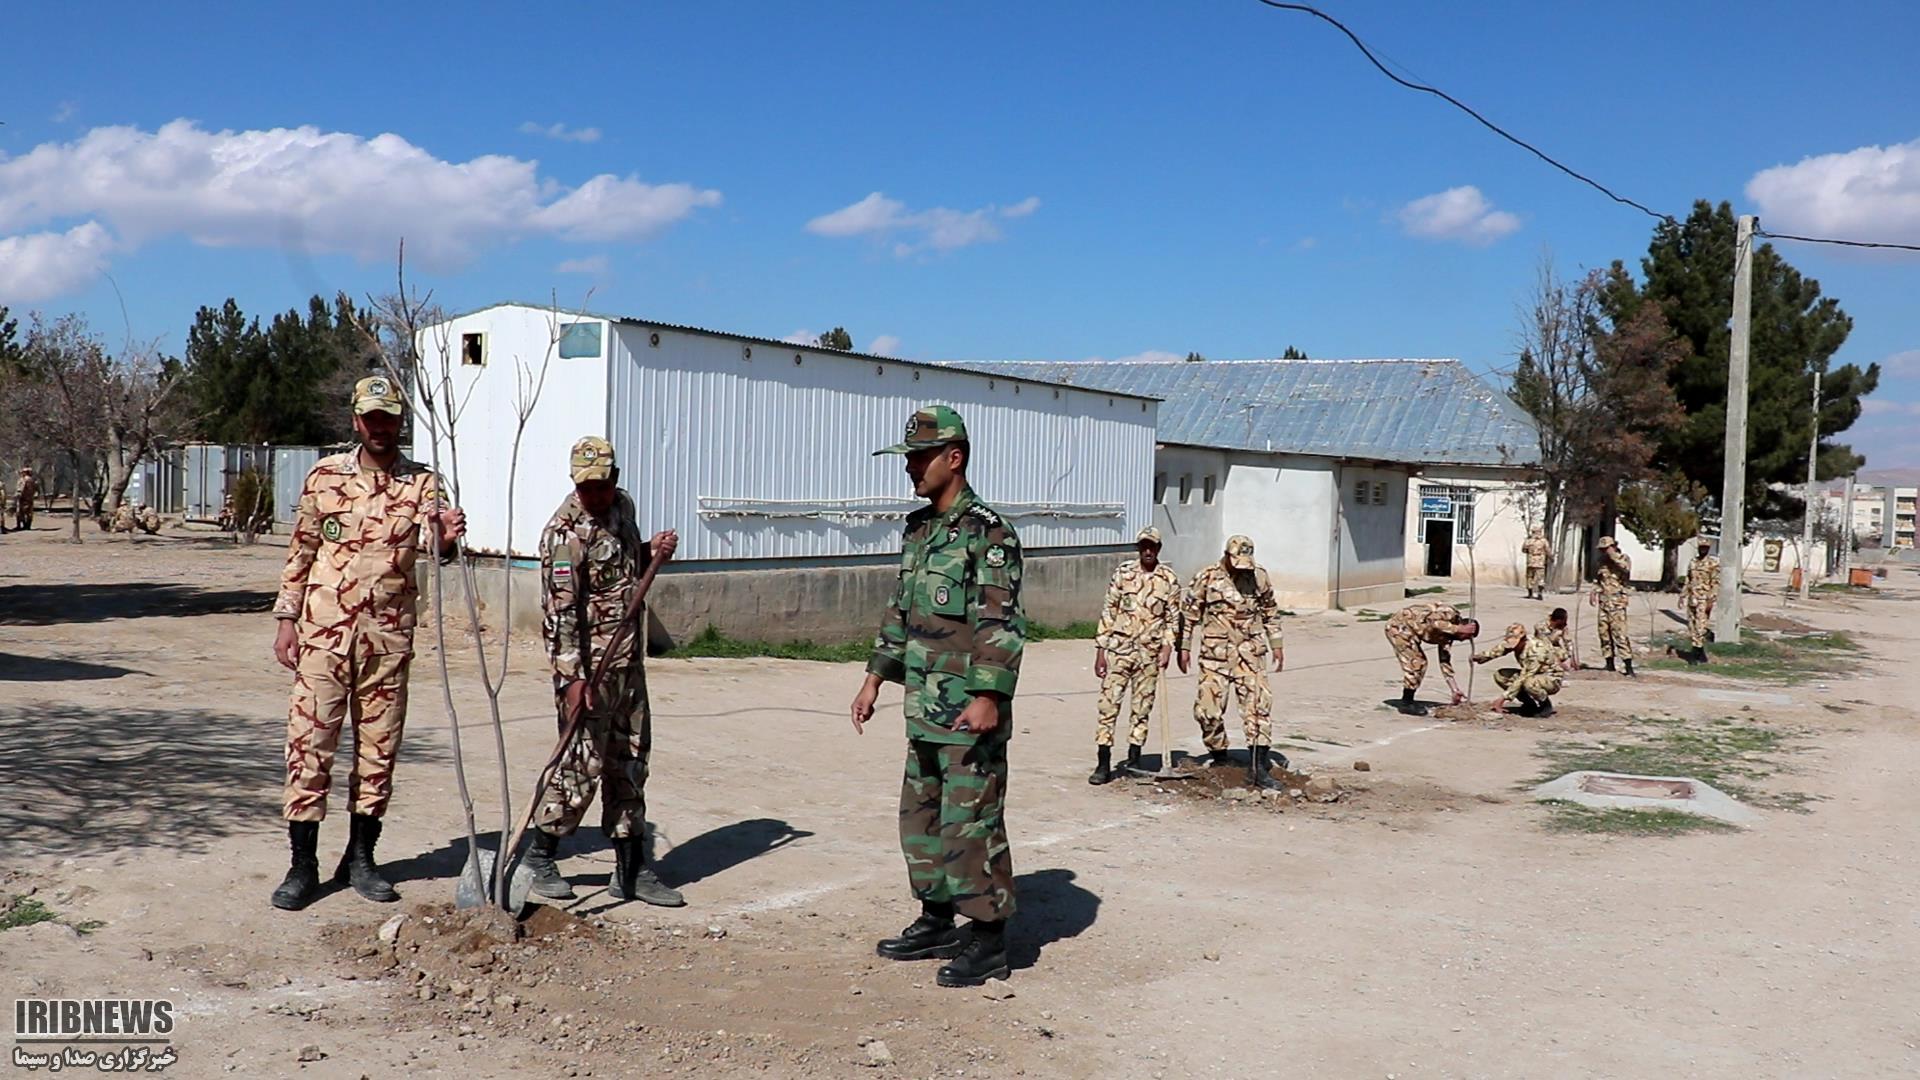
{"points": [[330, 529], [984, 513], [563, 569], [996, 556]]}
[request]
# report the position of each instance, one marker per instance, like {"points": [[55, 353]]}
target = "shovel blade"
{"points": [[476, 884]]}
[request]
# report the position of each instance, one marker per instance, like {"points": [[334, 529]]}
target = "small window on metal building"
{"points": [[1206, 491], [473, 349], [580, 341], [1379, 493], [1186, 488], [1159, 487], [1360, 492]]}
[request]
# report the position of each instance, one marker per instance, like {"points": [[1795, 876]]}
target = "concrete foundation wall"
{"points": [[819, 603]]}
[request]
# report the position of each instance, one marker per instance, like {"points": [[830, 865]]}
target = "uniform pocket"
{"points": [[946, 593]]}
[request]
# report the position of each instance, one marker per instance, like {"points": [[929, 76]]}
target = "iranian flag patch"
{"points": [[562, 570]]}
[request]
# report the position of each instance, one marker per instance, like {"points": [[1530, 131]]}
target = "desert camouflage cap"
{"points": [[1608, 541], [377, 393], [1516, 632], [592, 459], [1148, 535], [1537, 530], [933, 425], [1239, 553]]}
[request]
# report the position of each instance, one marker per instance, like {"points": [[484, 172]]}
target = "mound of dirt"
{"points": [[1228, 783]]}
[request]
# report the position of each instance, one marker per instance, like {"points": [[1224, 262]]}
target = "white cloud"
{"points": [[318, 192], [802, 337], [939, 228], [1461, 214], [562, 132], [64, 113], [884, 345], [41, 265], [1150, 356], [590, 264], [1873, 406], [1306, 243], [1872, 193], [1902, 363]]}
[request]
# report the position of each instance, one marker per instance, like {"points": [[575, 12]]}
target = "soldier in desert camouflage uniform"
{"points": [[346, 612], [1611, 591], [953, 636], [1418, 625], [1553, 631], [148, 519], [1702, 588], [591, 559], [1133, 646], [1537, 552], [1537, 678], [124, 519], [23, 499], [1231, 608]]}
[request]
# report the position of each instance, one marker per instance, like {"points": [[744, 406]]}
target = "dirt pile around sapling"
{"points": [[1228, 783]]}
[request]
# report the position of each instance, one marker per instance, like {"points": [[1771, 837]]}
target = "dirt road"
{"points": [[1428, 923]]}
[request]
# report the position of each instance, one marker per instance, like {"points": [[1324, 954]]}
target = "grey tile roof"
{"points": [[1414, 411]]}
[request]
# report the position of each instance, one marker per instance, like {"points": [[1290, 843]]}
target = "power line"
{"points": [[1838, 243], [1468, 109]]}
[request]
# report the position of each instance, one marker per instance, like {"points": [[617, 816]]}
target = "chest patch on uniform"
{"points": [[996, 556], [941, 595], [562, 570], [330, 529], [952, 535]]}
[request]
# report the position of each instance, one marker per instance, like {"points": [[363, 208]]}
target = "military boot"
{"points": [[1219, 757], [302, 882], [1133, 756], [984, 957], [1103, 768], [1628, 662], [1409, 706], [1258, 776], [931, 936], [633, 880], [1609, 666], [356, 865], [547, 880]]}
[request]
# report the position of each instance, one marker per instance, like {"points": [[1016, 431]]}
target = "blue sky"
{"points": [[989, 181]]}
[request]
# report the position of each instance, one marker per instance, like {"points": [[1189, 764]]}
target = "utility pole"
{"points": [[1733, 484], [1813, 452], [1846, 530]]}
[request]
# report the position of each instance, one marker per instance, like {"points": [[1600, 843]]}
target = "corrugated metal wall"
{"points": [[700, 416], [290, 467]]}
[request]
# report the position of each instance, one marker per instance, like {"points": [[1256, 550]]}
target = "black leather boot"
{"points": [[931, 936], [539, 862], [633, 880], [1219, 757], [1133, 756], [1103, 767], [983, 958], [1629, 666], [1409, 706], [302, 882], [1258, 775], [356, 866], [1609, 666]]}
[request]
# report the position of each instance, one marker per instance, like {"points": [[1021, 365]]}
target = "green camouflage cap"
{"points": [[377, 393], [1239, 553], [592, 459], [934, 425]]}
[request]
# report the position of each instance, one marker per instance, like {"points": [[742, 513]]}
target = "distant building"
{"points": [[1321, 463]]}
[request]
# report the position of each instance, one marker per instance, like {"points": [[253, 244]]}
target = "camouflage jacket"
{"points": [[955, 628], [1555, 639], [349, 573], [588, 571], [28, 489], [1430, 624], [1536, 550], [1613, 577], [1497, 650], [1141, 611], [1232, 613], [1538, 659], [1703, 580]]}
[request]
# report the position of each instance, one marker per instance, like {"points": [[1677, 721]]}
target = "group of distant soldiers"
{"points": [[1230, 607]]}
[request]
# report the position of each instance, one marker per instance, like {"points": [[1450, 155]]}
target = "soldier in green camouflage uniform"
{"points": [[591, 557], [1702, 588], [1134, 645], [1612, 589], [953, 637], [1231, 608]]}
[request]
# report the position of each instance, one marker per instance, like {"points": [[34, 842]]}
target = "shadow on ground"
{"points": [[51, 605], [1051, 908], [77, 780], [17, 668]]}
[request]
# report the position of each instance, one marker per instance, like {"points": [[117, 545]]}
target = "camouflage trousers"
{"points": [[953, 827], [328, 687], [1407, 650], [1245, 681], [1537, 687], [1699, 618], [1138, 673], [611, 746], [1613, 630], [1536, 579], [23, 514]]}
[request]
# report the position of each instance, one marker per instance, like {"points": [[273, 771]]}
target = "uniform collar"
{"points": [[961, 505], [402, 465]]}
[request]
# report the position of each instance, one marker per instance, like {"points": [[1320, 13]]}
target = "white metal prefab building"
{"points": [[759, 452]]}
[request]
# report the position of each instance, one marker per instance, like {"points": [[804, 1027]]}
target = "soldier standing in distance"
{"points": [[1537, 551], [1702, 589], [591, 558], [1418, 625], [1231, 607], [346, 612], [1610, 592], [23, 499], [953, 637], [1133, 646]]}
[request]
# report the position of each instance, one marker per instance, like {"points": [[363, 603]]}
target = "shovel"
{"points": [[1166, 771], [476, 879]]}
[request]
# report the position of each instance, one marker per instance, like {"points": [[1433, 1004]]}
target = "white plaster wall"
{"points": [[1285, 504], [1373, 523], [1501, 509], [1190, 528]]}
